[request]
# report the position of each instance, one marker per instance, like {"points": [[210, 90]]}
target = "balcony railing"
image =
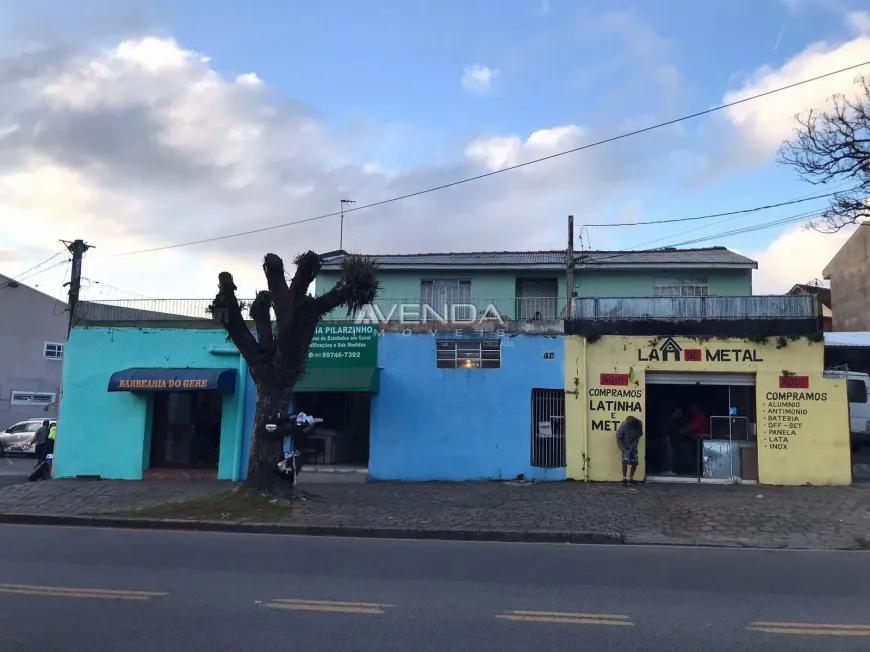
{"points": [[692, 308], [506, 309]]}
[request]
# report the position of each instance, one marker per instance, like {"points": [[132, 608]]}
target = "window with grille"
{"points": [[53, 351], [32, 398], [548, 428], [444, 293], [681, 286], [468, 354]]}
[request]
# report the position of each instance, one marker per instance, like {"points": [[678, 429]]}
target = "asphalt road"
{"points": [[106, 590], [14, 470]]}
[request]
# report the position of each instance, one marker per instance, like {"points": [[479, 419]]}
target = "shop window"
{"points": [[53, 351], [856, 391], [548, 428], [681, 286], [468, 354], [32, 398]]}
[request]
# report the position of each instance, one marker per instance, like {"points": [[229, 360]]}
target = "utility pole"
{"points": [[77, 248], [569, 268], [341, 236]]}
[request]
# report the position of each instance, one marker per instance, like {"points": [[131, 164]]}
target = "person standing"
{"points": [[671, 426], [627, 438], [52, 436], [39, 439]]}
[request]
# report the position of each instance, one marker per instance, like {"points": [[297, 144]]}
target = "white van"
{"points": [[857, 391]]}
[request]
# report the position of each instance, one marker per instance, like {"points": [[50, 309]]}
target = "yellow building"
{"points": [[771, 414]]}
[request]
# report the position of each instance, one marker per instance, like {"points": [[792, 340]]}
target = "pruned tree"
{"points": [[276, 357], [834, 147]]}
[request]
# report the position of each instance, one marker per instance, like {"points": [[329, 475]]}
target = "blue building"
{"points": [[142, 397]]}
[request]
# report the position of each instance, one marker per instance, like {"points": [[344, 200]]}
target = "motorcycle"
{"points": [[293, 429]]}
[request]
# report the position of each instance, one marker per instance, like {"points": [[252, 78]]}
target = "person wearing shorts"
{"points": [[627, 438]]}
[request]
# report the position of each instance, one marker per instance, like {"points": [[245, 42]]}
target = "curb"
{"points": [[132, 523]]}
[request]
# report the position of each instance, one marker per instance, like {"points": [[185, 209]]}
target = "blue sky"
{"points": [[379, 84]]}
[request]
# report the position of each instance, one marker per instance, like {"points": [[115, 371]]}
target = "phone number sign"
{"points": [[352, 345]]}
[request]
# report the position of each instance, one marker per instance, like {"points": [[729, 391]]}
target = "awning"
{"points": [[345, 379], [173, 380]]}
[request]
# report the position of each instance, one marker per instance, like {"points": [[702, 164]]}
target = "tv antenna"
{"points": [[341, 233]]}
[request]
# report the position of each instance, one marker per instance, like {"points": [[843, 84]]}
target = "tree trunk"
{"points": [[266, 449]]}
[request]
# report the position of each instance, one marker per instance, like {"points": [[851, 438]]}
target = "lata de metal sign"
{"points": [[351, 345], [671, 351]]}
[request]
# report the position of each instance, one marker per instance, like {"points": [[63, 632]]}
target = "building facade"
{"points": [[848, 272], [33, 329], [495, 400], [532, 284]]}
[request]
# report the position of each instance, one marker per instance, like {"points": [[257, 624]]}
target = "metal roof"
{"points": [[719, 256], [857, 339]]}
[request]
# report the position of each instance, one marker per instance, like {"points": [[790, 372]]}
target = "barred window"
{"points": [[681, 286], [468, 354], [32, 398], [444, 293]]}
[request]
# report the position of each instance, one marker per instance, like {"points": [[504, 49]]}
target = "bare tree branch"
{"points": [[307, 269], [227, 310], [834, 147], [261, 314], [273, 268]]}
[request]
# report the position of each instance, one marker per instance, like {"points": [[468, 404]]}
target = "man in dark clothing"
{"points": [[671, 426], [627, 438], [40, 438]]}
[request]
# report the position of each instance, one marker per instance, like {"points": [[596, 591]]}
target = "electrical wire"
{"points": [[595, 260], [18, 277], [812, 213], [744, 211], [42, 271], [459, 182]]}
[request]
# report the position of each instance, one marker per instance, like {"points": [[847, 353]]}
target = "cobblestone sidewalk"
{"points": [[770, 517]]}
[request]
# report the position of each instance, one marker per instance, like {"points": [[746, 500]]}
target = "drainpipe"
{"points": [[586, 415], [240, 412]]}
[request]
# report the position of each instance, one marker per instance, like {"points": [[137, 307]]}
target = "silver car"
{"points": [[18, 439]]}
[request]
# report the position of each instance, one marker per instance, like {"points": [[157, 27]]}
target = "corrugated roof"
{"points": [[556, 259], [823, 294], [860, 339]]}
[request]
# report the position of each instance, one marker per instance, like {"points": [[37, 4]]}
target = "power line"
{"points": [[595, 260], [42, 271], [452, 184], [18, 277], [707, 226], [712, 215]]}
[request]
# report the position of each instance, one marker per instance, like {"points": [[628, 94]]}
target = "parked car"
{"points": [[18, 439]]}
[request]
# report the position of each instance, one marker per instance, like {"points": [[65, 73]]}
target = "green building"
{"points": [[532, 284]]}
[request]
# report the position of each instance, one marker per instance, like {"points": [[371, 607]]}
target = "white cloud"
{"points": [[145, 145], [798, 255], [860, 21], [763, 124], [478, 79]]}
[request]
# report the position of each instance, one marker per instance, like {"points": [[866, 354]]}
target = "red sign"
{"points": [[794, 382], [620, 380], [693, 355]]}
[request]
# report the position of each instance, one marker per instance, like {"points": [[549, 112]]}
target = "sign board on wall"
{"points": [[339, 345]]}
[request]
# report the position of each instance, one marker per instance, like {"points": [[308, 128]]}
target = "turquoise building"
{"points": [[532, 284]]}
